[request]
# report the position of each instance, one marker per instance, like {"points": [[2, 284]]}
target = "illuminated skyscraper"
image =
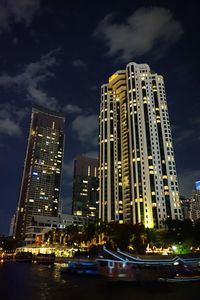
{"points": [[137, 173], [85, 187], [40, 187]]}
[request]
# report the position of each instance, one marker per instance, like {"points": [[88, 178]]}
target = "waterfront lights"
{"points": [[174, 248]]}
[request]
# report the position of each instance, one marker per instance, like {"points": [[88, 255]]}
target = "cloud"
{"points": [[31, 78], [71, 109], [141, 32], [33, 73], [94, 87], [187, 180], [10, 110], [17, 11], [92, 154], [9, 127], [68, 169], [4, 19], [40, 97], [196, 120], [10, 117], [183, 135], [85, 128], [15, 41], [79, 63]]}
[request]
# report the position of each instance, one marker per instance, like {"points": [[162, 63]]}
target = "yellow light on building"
{"points": [[111, 78]]}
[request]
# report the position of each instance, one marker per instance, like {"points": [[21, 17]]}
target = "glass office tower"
{"points": [[40, 187], [85, 187]]}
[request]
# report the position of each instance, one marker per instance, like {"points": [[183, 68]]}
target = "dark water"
{"points": [[24, 281]]}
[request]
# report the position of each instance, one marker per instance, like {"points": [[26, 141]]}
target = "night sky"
{"points": [[58, 53]]}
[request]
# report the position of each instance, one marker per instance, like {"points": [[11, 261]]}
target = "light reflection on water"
{"points": [[21, 281]]}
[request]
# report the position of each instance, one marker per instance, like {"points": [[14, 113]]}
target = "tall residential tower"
{"points": [[40, 187], [195, 202], [137, 173]]}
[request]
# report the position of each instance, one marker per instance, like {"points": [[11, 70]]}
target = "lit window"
{"points": [[88, 170]]}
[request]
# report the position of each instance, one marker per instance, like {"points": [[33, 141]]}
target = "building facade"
{"points": [[40, 225], [40, 187], [186, 205], [195, 202], [137, 173], [85, 187], [12, 225]]}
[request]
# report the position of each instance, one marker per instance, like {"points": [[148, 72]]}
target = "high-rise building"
{"points": [[85, 187], [137, 173], [195, 202], [40, 187], [12, 224], [186, 208]]}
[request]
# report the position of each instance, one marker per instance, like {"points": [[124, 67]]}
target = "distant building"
{"points": [[197, 185], [85, 187], [186, 208], [40, 225], [12, 224], [137, 172], [195, 202], [40, 187]]}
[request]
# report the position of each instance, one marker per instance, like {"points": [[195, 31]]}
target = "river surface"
{"points": [[24, 281]]}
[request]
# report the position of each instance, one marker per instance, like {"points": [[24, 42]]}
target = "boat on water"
{"points": [[121, 266], [47, 259], [175, 279], [7, 256], [81, 268], [23, 257]]}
